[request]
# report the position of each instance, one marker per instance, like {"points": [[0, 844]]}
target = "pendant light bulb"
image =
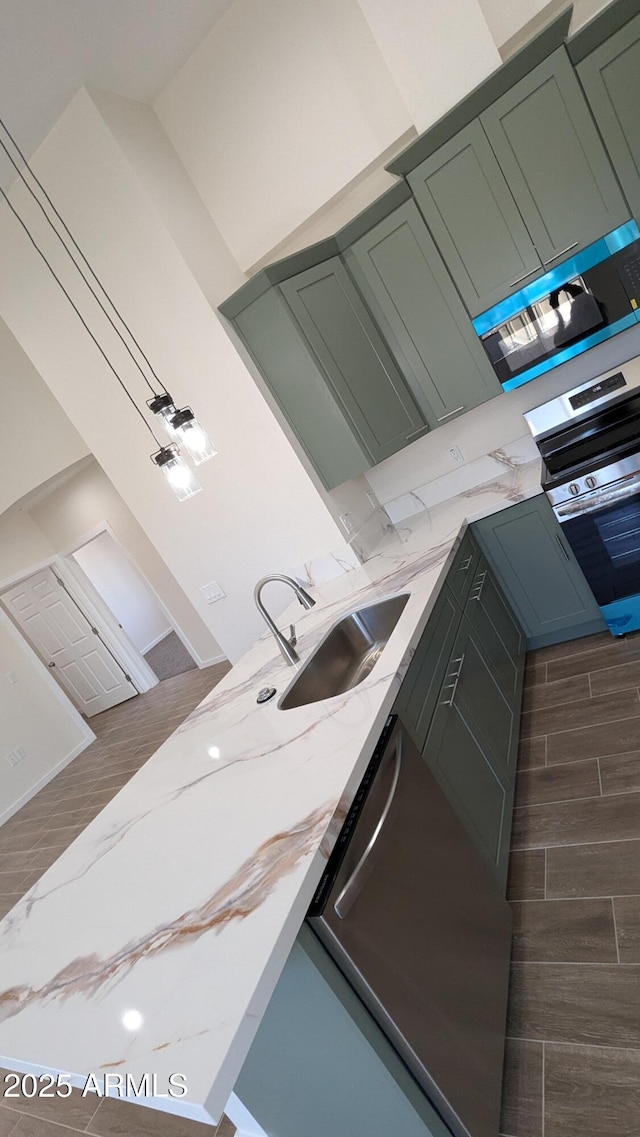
{"points": [[180, 477], [165, 409], [191, 435]]}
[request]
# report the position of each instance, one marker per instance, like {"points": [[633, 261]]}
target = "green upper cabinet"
{"points": [[286, 363], [550, 153], [610, 76], [520, 187], [357, 363], [401, 275], [466, 201]]}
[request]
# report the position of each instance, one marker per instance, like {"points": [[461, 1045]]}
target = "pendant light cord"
{"points": [[80, 317], [69, 252]]}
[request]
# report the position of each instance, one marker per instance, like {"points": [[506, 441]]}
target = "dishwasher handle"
{"points": [[351, 889]]}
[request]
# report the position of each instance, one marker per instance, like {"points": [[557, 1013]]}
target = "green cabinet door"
{"points": [[538, 573], [468, 206], [356, 361], [548, 147], [402, 277], [472, 729], [610, 76], [288, 367]]}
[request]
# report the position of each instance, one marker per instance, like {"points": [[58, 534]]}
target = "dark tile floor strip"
{"points": [[572, 1066], [38, 834]]}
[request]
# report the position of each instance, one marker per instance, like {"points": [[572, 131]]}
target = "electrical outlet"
{"points": [[212, 592], [12, 758], [455, 454], [346, 520], [21, 752], [12, 677]]}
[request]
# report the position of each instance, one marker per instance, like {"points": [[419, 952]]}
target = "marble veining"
{"points": [[181, 901]]}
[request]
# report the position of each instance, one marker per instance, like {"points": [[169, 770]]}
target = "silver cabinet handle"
{"points": [[351, 890], [564, 551], [450, 413], [464, 567], [525, 276], [561, 253], [453, 687], [478, 585], [415, 433]]}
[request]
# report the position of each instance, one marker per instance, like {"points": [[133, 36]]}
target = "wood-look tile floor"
{"points": [[573, 1048], [35, 837]]}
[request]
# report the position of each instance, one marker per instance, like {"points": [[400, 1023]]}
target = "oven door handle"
{"points": [[597, 500]]}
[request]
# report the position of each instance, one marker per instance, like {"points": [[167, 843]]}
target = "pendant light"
{"points": [[179, 475], [192, 436], [181, 426]]}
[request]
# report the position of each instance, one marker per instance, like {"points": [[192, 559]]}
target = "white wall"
{"points": [[435, 52], [51, 737], [67, 516], [259, 511], [41, 440], [278, 109], [23, 545], [123, 590], [506, 18]]}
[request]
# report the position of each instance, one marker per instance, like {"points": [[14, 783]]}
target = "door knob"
{"points": [[52, 664]]}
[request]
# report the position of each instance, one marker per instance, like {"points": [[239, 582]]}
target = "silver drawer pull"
{"points": [[561, 253], [478, 585], [456, 412], [464, 567], [525, 276], [453, 687], [415, 433]]}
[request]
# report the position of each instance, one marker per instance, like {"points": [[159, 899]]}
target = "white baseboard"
{"points": [[222, 658], [152, 643], [46, 778]]}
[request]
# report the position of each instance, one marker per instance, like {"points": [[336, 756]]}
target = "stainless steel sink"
{"points": [[347, 654]]}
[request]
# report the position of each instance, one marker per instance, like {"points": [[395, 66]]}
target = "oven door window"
{"points": [[606, 544]]}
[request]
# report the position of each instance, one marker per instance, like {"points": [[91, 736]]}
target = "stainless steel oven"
{"points": [[589, 440]]}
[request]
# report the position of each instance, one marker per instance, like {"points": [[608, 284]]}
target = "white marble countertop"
{"points": [[152, 946]]}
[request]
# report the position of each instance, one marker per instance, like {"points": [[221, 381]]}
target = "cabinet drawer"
{"points": [[464, 569], [421, 685], [500, 635]]}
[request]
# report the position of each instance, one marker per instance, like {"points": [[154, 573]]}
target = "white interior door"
{"points": [[65, 640]]}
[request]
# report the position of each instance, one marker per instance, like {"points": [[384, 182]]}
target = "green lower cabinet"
{"points": [[610, 76], [461, 698], [320, 1066], [471, 741], [538, 573], [421, 685], [501, 636]]}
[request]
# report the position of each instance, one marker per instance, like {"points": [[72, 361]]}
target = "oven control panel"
{"points": [[602, 482], [604, 387]]}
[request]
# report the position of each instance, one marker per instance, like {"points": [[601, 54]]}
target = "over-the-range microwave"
{"points": [[578, 304]]}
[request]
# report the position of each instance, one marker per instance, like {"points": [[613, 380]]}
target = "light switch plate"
{"points": [[212, 592]]}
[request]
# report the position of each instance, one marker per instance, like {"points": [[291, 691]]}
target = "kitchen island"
{"points": [[154, 944]]}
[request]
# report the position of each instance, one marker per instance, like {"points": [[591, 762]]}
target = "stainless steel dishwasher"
{"points": [[415, 921]]}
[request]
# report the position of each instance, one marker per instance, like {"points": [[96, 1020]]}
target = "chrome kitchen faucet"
{"points": [[287, 646]]}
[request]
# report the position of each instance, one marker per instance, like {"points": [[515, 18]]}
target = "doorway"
{"points": [[47, 614], [134, 605]]}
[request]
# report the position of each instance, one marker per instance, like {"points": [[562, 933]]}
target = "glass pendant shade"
{"points": [[165, 409], [192, 436], [178, 474]]}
